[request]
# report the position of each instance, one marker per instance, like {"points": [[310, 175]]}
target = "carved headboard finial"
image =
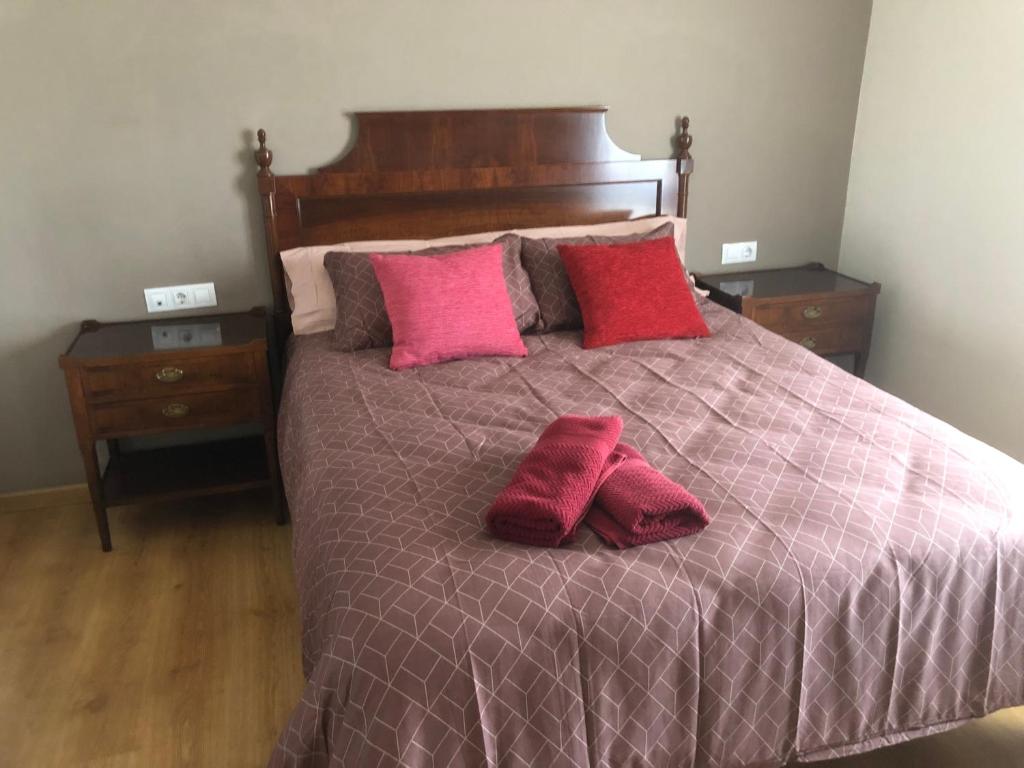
{"points": [[264, 157], [685, 139]]}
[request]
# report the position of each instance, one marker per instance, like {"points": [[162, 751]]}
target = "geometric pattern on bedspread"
{"points": [[861, 582]]}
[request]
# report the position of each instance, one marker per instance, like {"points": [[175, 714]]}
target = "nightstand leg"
{"points": [[282, 511], [270, 442], [860, 363], [95, 480]]}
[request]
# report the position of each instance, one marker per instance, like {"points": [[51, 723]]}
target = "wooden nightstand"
{"points": [[823, 310], [158, 376]]}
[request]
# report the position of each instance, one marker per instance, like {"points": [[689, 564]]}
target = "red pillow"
{"points": [[632, 291]]}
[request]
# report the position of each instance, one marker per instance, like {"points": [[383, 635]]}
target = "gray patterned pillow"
{"points": [[362, 321], [555, 298]]}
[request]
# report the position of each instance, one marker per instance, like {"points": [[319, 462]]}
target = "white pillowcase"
{"points": [[311, 295]]}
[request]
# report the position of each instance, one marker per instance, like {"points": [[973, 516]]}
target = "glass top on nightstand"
{"points": [[168, 335], [788, 281]]}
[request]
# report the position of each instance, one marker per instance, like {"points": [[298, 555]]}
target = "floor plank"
{"points": [[181, 647]]}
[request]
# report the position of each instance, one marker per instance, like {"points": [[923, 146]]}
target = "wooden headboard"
{"points": [[434, 174]]}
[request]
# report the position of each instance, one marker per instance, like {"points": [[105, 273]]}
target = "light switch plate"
{"points": [[174, 297], [738, 253]]}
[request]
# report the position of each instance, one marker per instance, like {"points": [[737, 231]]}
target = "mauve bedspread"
{"points": [[861, 582]]}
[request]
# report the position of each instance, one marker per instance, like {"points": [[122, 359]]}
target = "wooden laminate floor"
{"points": [[181, 647]]}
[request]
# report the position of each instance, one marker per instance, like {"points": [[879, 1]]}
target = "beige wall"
{"points": [[126, 158], [935, 209]]}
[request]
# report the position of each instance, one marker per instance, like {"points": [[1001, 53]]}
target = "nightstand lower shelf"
{"points": [[186, 471]]}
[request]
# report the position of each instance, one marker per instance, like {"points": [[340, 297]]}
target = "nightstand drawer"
{"points": [[149, 379], [828, 340], [186, 411], [811, 314]]}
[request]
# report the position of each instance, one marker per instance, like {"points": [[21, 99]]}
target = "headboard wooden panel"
{"points": [[434, 174]]}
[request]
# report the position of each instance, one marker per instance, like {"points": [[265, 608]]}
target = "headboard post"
{"points": [[267, 185], [684, 165], [264, 157]]}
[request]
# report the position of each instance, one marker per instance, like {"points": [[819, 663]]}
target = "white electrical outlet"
{"points": [[737, 253], [173, 297]]}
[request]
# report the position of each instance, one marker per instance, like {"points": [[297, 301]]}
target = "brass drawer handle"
{"points": [[169, 375], [176, 410], [808, 342], [812, 312]]}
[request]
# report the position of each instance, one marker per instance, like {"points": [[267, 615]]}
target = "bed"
{"points": [[861, 582]]}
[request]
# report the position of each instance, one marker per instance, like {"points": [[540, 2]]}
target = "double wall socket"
{"points": [[172, 297], [737, 253]]}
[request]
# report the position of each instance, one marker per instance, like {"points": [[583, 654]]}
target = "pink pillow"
{"points": [[447, 307]]}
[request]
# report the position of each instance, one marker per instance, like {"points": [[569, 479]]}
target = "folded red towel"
{"points": [[637, 504], [555, 483]]}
